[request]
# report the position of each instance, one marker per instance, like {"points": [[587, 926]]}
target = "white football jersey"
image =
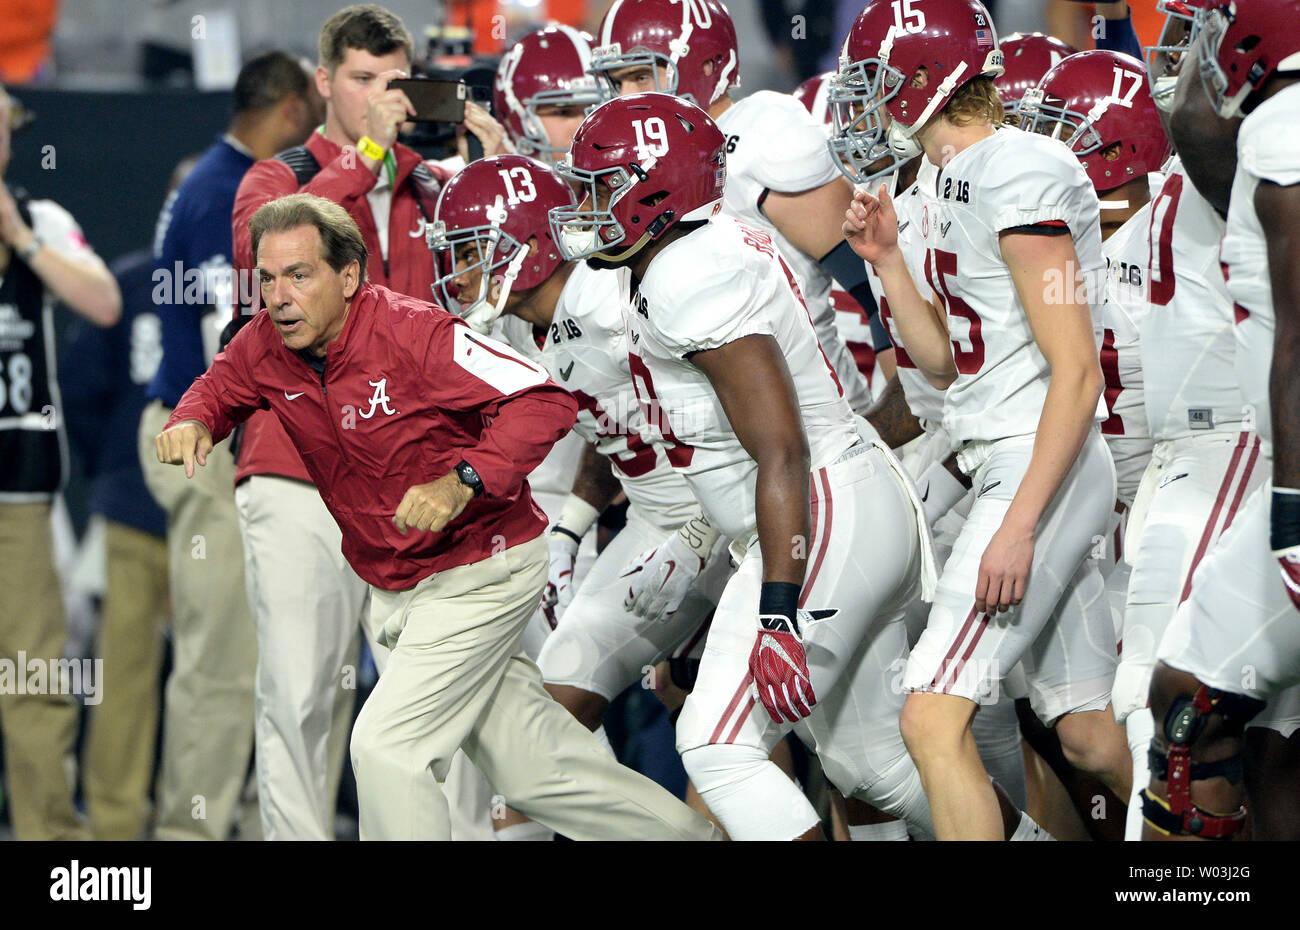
{"points": [[1191, 382], [923, 399], [1121, 314], [773, 144], [1268, 149], [585, 351], [721, 283], [1012, 178]]}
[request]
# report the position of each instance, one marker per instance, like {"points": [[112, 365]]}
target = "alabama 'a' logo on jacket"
{"points": [[379, 400]]}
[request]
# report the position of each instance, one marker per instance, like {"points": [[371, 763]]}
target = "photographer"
{"points": [[290, 539]]}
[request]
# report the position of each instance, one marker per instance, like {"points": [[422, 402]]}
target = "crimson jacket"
{"points": [[265, 449], [407, 390]]}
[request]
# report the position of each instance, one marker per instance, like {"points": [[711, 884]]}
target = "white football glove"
{"points": [[659, 579], [564, 541]]}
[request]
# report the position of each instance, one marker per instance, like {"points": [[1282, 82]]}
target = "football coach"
{"points": [[418, 433]]}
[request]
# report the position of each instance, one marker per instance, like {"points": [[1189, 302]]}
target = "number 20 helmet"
{"points": [[908, 57], [678, 39], [497, 204], [546, 67], [652, 160], [1103, 99]]}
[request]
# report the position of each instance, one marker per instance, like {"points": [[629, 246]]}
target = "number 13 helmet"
{"points": [[497, 204], [645, 163]]}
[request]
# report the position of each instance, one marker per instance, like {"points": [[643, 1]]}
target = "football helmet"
{"points": [[1102, 98], [495, 205], [814, 95], [907, 58], [645, 162], [1242, 44], [689, 44], [1026, 57], [547, 67]]}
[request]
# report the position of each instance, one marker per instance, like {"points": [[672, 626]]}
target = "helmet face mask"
{"points": [[594, 232], [859, 124], [493, 252], [1076, 130], [535, 139], [609, 60], [1166, 57]]}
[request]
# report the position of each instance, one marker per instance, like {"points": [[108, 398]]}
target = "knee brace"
{"points": [[1183, 725], [753, 799]]}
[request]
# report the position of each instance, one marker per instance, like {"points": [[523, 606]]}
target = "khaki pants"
{"points": [[458, 678], [308, 606], [38, 729], [119, 754], [208, 721]]}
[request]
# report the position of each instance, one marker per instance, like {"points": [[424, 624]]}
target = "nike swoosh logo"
{"points": [[636, 337], [565, 372], [770, 642], [926, 495], [988, 487], [1172, 478], [288, 396], [903, 225], [672, 567]]}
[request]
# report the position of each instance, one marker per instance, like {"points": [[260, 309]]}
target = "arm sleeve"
{"points": [[528, 411], [1267, 150], [56, 228], [1120, 36], [720, 308], [226, 394], [1046, 187]]}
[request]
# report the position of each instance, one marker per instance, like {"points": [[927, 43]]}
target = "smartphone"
{"points": [[434, 101]]}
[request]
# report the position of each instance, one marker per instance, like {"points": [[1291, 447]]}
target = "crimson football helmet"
{"points": [[1026, 57], [1242, 45], [907, 58], [645, 162], [814, 94], [689, 44], [546, 67], [495, 205], [1102, 98]]}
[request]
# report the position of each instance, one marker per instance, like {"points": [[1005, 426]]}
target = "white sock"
{"points": [[1141, 728], [1029, 832], [891, 832], [529, 832], [600, 735]]}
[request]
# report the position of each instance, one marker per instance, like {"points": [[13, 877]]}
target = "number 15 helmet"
{"points": [[909, 57], [497, 205], [645, 163]]}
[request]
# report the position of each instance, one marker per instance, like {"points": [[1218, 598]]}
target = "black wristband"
{"points": [[779, 598], [1284, 522], [567, 532]]}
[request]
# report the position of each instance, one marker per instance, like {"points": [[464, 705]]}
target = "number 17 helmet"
{"points": [[496, 204], [1099, 102], [645, 163]]}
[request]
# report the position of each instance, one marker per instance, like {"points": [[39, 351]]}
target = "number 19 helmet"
{"points": [[645, 163], [689, 44], [1092, 102], [496, 204]]}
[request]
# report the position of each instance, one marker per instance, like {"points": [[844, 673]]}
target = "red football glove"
{"points": [[780, 666]]}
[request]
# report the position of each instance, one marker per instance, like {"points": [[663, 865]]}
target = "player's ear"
{"points": [[351, 279], [532, 246]]}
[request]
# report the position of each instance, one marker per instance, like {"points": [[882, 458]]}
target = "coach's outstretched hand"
{"points": [[432, 506], [185, 443]]}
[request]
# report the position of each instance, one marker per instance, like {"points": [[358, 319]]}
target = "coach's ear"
{"points": [[351, 279]]}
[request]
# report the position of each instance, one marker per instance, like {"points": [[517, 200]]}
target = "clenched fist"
{"points": [[432, 506], [185, 443]]}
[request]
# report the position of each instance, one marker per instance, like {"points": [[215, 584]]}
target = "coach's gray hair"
{"points": [[340, 238]]}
